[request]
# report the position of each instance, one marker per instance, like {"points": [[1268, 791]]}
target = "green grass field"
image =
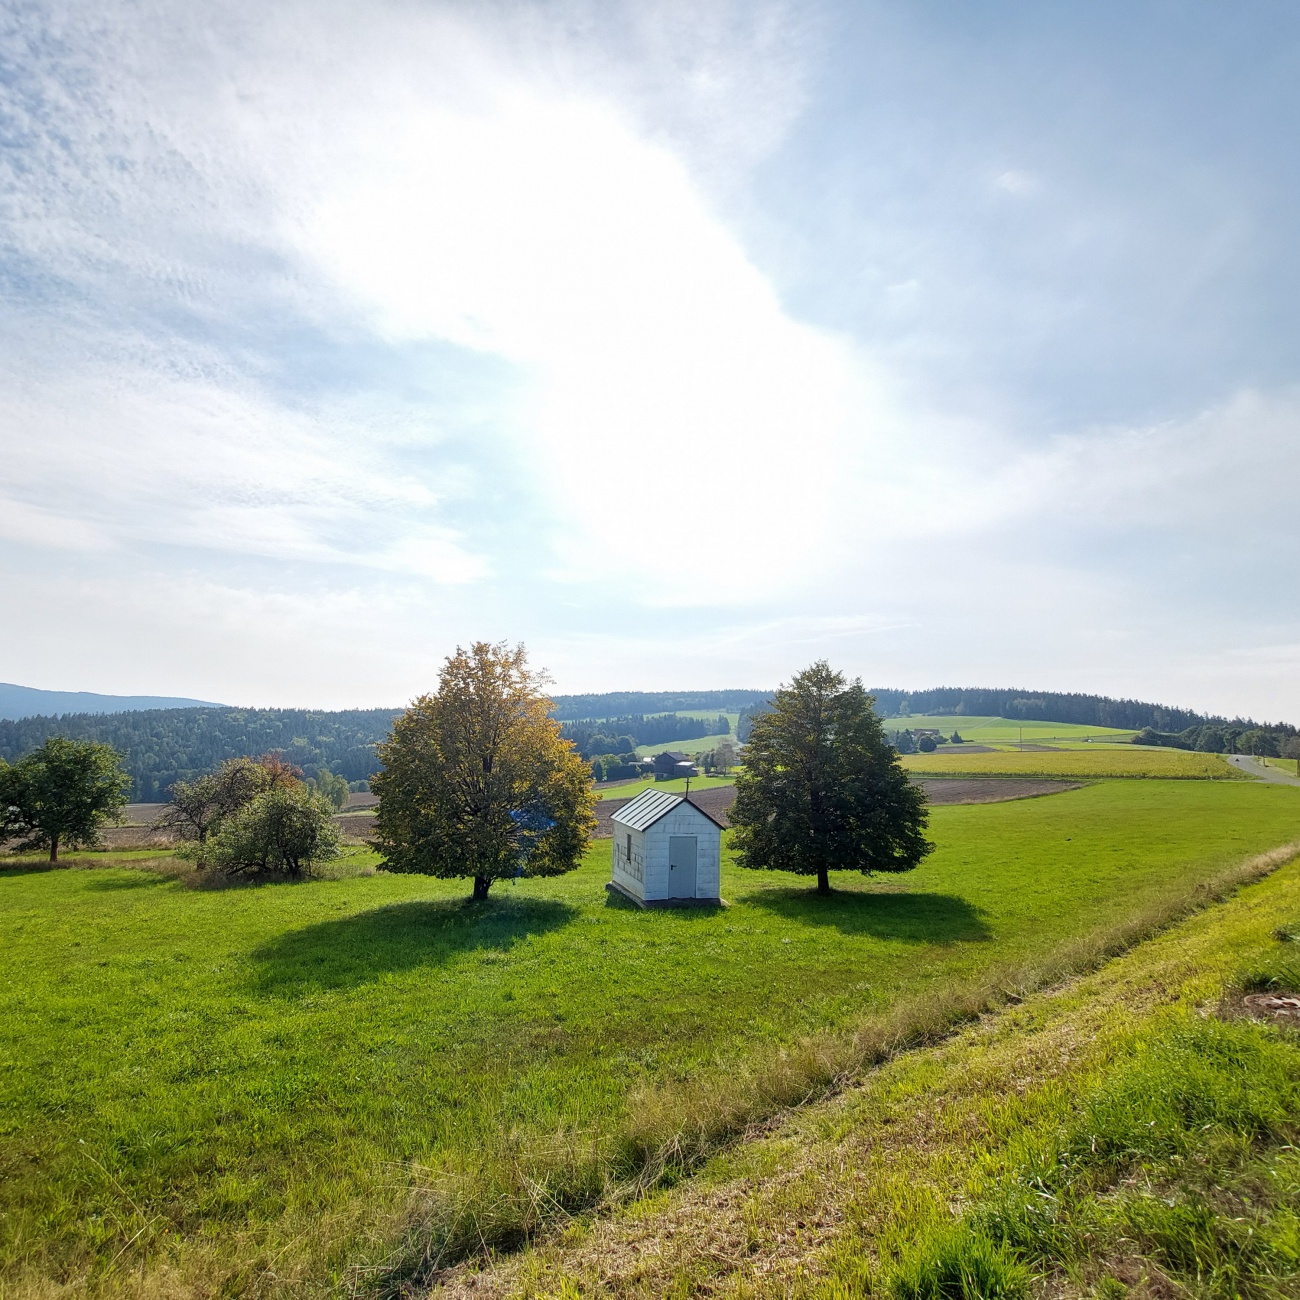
{"points": [[1081, 764], [250, 1088], [1055, 1146], [700, 745], [626, 789], [1002, 731]]}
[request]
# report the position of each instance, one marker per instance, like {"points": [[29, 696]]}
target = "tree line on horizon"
{"points": [[622, 735], [164, 746]]}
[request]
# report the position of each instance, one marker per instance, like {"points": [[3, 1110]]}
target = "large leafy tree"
{"points": [[61, 794], [477, 781], [822, 789]]}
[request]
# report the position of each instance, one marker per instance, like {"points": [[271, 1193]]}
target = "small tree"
{"points": [[477, 781], [11, 812], [822, 790], [62, 794], [198, 808], [285, 831], [332, 788]]}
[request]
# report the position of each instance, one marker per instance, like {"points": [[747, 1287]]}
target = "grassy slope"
{"points": [[260, 1071], [1079, 763], [1005, 730], [699, 745], [844, 1196]]}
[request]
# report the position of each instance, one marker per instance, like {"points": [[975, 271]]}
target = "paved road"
{"points": [[1256, 768]]}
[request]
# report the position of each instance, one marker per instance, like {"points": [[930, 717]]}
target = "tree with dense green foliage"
{"points": [[10, 808], [822, 789], [332, 788], [477, 781], [286, 830], [62, 794]]}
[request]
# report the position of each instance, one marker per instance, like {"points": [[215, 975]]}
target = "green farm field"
{"points": [[1081, 764], [698, 745], [1005, 731], [626, 789], [297, 1089]]}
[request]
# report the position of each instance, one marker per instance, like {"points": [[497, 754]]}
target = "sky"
{"points": [[686, 343]]}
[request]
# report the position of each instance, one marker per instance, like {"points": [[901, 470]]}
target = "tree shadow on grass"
{"points": [[27, 867], [912, 918], [357, 949], [138, 879]]}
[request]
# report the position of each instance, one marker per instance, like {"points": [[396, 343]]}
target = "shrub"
{"points": [[284, 832]]}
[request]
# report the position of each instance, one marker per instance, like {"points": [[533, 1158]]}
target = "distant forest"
{"points": [[163, 746], [616, 704], [1039, 706], [621, 735]]}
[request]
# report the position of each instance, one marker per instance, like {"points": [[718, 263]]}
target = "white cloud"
{"points": [[665, 372], [141, 458], [207, 217]]}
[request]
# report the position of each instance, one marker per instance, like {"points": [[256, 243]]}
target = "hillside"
{"points": [[164, 743], [29, 702], [162, 746]]}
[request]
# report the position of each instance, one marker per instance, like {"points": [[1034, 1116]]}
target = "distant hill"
{"points": [[162, 746], [1039, 706], [164, 743], [616, 704], [28, 702]]}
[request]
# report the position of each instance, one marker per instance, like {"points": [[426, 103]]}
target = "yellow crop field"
{"points": [[1078, 763]]}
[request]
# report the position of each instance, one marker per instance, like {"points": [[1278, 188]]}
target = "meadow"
{"points": [[1128, 1132], [285, 1089], [1005, 731], [627, 789], [1078, 764]]}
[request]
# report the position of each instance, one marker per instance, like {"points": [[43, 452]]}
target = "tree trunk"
{"points": [[823, 881], [481, 886], [54, 847]]}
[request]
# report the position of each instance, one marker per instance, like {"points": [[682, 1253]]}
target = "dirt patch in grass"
{"points": [[1281, 1007]]}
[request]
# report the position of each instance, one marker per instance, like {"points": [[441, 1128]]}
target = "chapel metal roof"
{"points": [[649, 806]]}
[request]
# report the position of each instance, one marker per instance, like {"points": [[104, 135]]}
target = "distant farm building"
{"points": [[667, 852], [672, 763]]}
